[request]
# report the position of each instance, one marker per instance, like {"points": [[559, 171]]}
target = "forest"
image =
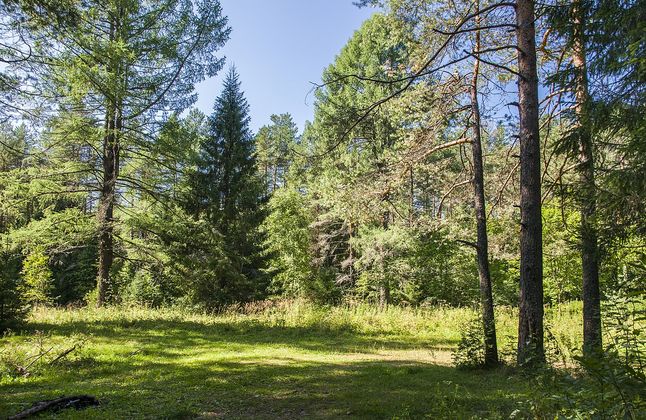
{"points": [[458, 232]]}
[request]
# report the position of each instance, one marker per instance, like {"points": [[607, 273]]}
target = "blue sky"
{"points": [[279, 47]]}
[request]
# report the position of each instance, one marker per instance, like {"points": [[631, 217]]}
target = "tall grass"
{"points": [[438, 327], [290, 357]]}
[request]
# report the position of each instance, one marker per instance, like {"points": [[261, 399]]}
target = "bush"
{"points": [[37, 285], [174, 256], [416, 265], [67, 239], [470, 353], [12, 307], [143, 290]]}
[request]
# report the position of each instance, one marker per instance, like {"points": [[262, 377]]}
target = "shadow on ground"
{"points": [[180, 334], [179, 369]]}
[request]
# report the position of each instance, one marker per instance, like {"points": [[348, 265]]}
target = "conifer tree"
{"points": [[274, 145], [228, 190], [128, 64]]}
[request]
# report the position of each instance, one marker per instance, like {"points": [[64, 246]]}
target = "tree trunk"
{"points": [[384, 287], [111, 150], [482, 249], [105, 211], [530, 325], [587, 198], [384, 295], [411, 216]]}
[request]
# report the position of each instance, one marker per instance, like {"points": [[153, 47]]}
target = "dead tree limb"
{"points": [[78, 402]]}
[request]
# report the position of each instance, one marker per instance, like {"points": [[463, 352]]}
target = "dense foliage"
{"points": [[473, 154], [451, 160]]}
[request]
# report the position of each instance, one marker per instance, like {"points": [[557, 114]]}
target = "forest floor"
{"points": [[290, 360]]}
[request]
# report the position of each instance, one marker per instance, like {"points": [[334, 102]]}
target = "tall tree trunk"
{"points": [[384, 287], [111, 150], [105, 211], [589, 247], [411, 215], [482, 245], [530, 325]]}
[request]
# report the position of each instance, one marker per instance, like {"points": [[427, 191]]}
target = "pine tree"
{"points": [[274, 145], [228, 189], [530, 324]]}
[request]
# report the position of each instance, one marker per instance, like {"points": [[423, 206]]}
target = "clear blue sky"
{"points": [[279, 47]]}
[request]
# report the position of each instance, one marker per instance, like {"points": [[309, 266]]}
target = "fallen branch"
{"points": [[63, 355], [25, 370], [78, 402]]}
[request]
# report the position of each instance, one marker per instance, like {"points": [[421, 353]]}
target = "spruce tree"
{"points": [[228, 190]]}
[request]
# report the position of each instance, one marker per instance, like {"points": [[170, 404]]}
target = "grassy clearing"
{"points": [[286, 360]]}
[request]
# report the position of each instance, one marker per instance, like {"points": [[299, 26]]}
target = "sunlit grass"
{"points": [[288, 359]]}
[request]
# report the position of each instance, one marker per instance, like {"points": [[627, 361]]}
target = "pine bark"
{"points": [[105, 214], [111, 150], [530, 325], [482, 244], [587, 198]]}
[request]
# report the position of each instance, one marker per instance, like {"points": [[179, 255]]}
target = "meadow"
{"points": [[282, 359]]}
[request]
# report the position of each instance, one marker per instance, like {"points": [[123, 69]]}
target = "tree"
{"points": [[588, 230], [287, 244], [352, 149], [225, 182], [417, 17], [530, 323], [126, 64], [570, 21], [274, 150], [482, 244], [603, 92]]}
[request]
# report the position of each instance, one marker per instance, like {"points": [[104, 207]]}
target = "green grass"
{"points": [[288, 360]]}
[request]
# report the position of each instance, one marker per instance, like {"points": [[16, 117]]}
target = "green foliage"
{"points": [[561, 259], [386, 260], [417, 266], [142, 288], [173, 257], [37, 285], [610, 384], [470, 353], [12, 307], [68, 239], [225, 191], [275, 145], [287, 244]]}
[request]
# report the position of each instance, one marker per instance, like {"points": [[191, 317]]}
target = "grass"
{"points": [[286, 360]]}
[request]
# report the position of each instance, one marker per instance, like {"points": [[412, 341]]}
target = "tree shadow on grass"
{"points": [[183, 369], [280, 388], [179, 334]]}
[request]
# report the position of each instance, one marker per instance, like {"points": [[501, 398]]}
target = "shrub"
{"points": [[471, 348], [37, 285], [12, 307]]}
